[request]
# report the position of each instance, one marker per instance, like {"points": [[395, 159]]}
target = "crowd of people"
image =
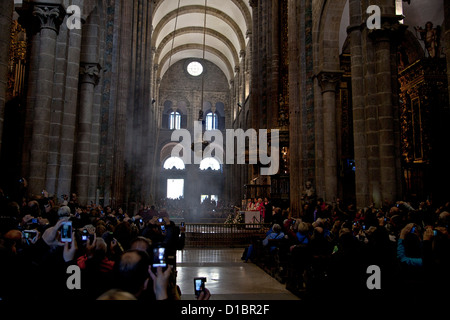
{"points": [[118, 257], [325, 251], [328, 249]]}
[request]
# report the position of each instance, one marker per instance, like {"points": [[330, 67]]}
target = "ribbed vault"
{"points": [[179, 32]]}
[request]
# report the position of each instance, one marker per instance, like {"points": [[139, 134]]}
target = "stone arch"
{"points": [[200, 9], [238, 3], [166, 151], [200, 30], [199, 47], [326, 27]]}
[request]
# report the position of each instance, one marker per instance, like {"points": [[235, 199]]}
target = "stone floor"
{"points": [[228, 277]]}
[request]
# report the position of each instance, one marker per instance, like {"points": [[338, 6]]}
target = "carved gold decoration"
{"points": [[17, 60]]}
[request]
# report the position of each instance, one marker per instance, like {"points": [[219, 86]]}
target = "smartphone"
{"points": [[435, 233], [159, 258], [160, 220], [413, 229], [163, 229], [29, 234], [84, 235], [182, 223], [66, 231], [199, 286]]}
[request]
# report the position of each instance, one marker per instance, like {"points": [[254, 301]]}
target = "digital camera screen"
{"points": [[159, 257], [66, 232]]}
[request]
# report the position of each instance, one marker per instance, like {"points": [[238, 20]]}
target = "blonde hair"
{"points": [[303, 227], [116, 294]]}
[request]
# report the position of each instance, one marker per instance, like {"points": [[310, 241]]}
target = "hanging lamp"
{"points": [[204, 142]]}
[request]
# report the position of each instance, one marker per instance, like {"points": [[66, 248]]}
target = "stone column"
{"points": [[384, 40], [273, 105], [69, 113], [359, 123], [254, 101], [123, 86], [242, 55], [6, 14], [295, 115], [48, 19], [328, 82], [89, 77]]}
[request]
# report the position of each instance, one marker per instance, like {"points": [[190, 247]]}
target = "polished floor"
{"points": [[228, 277]]}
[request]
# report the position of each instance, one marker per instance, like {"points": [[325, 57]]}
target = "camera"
{"points": [[29, 234], [199, 286], [159, 258], [85, 236], [66, 231]]}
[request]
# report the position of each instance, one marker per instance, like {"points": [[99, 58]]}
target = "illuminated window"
{"points": [[175, 121], [209, 198], [175, 188], [212, 121], [195, 69], [174, 163], [210, 163]]}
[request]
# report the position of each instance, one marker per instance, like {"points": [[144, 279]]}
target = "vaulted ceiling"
{"points": [[179, 32]]}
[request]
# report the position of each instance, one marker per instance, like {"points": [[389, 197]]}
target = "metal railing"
{"points": [[213, 235]]}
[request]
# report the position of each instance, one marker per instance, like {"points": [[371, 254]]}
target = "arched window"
{"points": [[174, 163], [175, 121], [210, 163], [212, 121]]}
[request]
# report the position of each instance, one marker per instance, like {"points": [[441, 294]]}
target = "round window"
{"points": [[195, 68]]}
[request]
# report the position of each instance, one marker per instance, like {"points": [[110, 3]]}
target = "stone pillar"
{"points": [[6, 14], [272, 121], [69, 116], [385, 40], [385, 118], [254, 101], [328, 82], [295, 114], [123, 86], [48, 19], [89, 77], [359, 123], [242, 55]]}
